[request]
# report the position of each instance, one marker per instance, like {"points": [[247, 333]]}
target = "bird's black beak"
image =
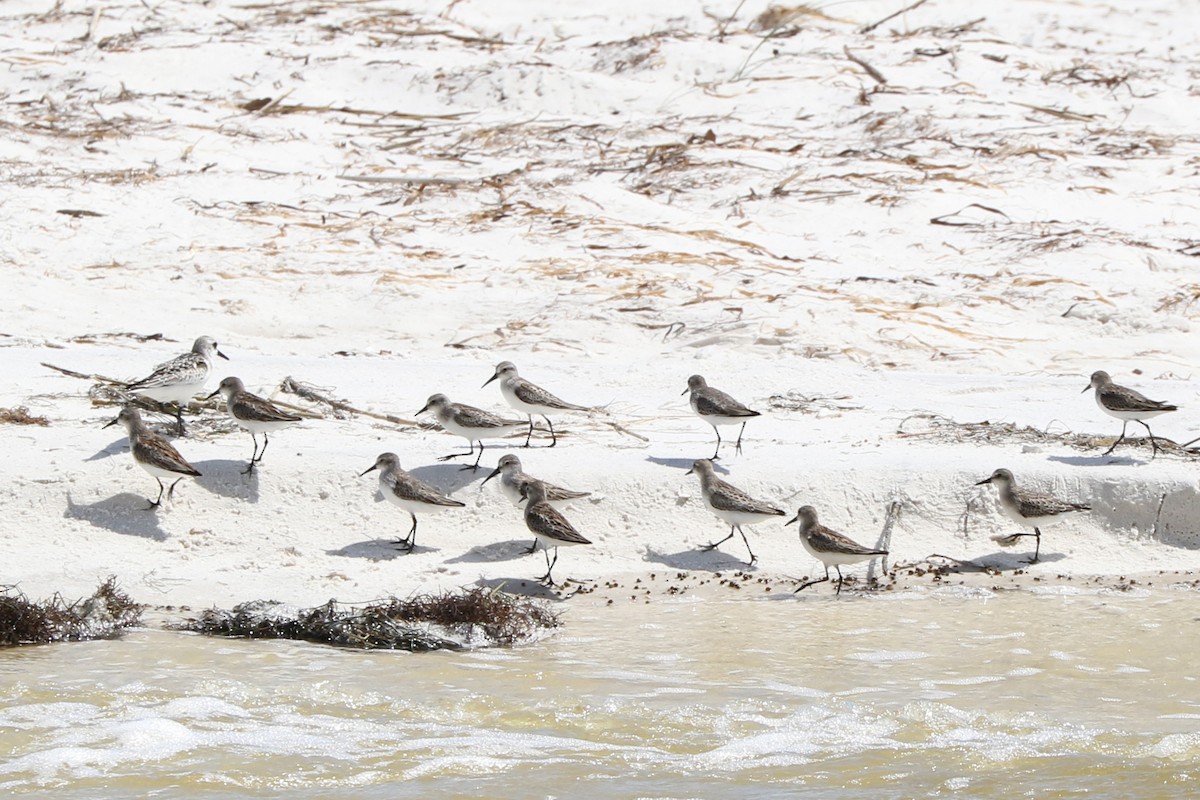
{"points": [[690, 471], [489, 380], [982, 482], [222, 355], [793, 519], [495, 472], [685, 391], [214, 394], [1086, 388], [110, 424], [371, 468], [424, 408]]}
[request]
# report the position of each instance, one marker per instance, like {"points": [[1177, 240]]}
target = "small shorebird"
{"points": [[548, 526], [255, 414], [1125, 404], [1029, 508], [731, 504], [153, 453], [513, 480], [410, 493], [717, 408], [473, 424], [828, 546], [529, 398], [180, 379]]}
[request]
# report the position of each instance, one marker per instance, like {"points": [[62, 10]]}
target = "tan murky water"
{"points": [[930, 695]]}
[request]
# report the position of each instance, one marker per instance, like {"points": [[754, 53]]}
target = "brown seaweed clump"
{"points": [[453, 620], [104, 615]]}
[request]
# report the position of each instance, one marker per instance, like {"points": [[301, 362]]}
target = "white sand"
{"points": [[585, 212]]}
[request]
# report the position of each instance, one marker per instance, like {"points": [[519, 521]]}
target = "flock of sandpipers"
{"points": [[180, 379]]}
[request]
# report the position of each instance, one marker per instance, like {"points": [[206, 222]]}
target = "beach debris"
{"points": [[103, 615], [19, 415], [449, 621]]}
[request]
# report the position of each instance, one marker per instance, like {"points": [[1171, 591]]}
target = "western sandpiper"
{"points": [[513, 481], [828, 546], [548, 526], [473, 424], [1029, 508], [180, 379], [153, 453], [529, 398], [717, 408], [255, 414], [731, 504], [409, 492], [1125, 404]]}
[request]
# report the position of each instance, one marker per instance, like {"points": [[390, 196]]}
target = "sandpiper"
{"points": [[180, 379], [828, 546], [529, 398], [153, 453], [1125, 404], [1029, 508], [548, 526], [409, 492], [473, 424], [731, 504], [255, 414], [717, 408], [513, 481]]}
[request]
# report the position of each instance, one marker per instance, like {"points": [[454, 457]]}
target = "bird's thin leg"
{"points": [[546, 579], [409, 542], [753, 557], [715, 545], [1121, 438], [475, 466], [468, 454], [839, 572], [717, 453], [253, 457], [738, 448], [266, 441], [550, 425], [179, 418], [807, 584], [529, 435], [1037, 547], [1153, 441], [171, 491], [533, 548], [158, 501]]}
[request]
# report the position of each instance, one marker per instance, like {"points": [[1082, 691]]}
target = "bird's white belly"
{"points": [[263, 426], [411, 506], [549, 541], [158, 471], [1010, 511], [510, 397], [740, 517], [834, 559], [177, 393], [475, 434]]}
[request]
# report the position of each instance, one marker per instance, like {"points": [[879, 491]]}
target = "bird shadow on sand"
{"points": [[1096, 461], [496, 551], [377, 550], [698, 559], [528, 587], [684, 463], [449, 477], [1000, 561], [224, 477], [125, 513]]}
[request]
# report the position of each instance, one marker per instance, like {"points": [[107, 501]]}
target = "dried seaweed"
{"points": [[104, 615], [19, 415], [475, 618]]}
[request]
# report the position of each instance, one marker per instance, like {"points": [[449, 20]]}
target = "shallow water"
{"points": [[930, 695]]}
